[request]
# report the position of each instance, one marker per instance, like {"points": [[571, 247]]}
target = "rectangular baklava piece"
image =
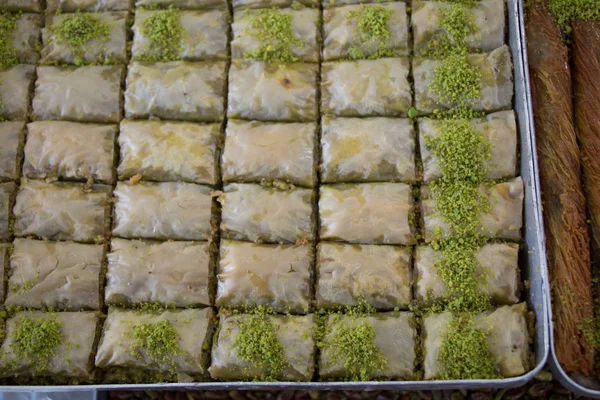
{"points": [[293, 347], [267, 214], [58, 275], [169, 151], [169, 345], [81, 94], [258, 151], [12, 138], [70, 151], [165, 210], [166, 273], [71, 6], [275, 276], [15, 87], [62, 211], [25, 35], [178, 90], [391, 338], [58, 345]]}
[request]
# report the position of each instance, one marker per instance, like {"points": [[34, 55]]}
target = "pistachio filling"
{"points": [[465, 352], [165, 33], [37, 340], [567, 11], [158, 340], [8, 54], [458, 20], [373, 31], [257, 343], [76, 31], [273, 29]]}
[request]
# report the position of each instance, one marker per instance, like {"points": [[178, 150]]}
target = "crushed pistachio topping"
{"points": [[374, 33], [273, 29], [8, 54], [37, 340], [458, 21], [158, 340], [78, 30], [465, 352], [455, 81], [257, 343], [351, 341], [165, 33], [567, 11]]}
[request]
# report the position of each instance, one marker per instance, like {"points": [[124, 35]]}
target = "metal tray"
{"points": [[567, 381], [533, 269]]}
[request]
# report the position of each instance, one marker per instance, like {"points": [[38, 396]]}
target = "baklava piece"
{"points": [[70, 150], [272, 91], [7, 199], [25, 37], [182, 4], [268, 151], [367, 150], [59, 275], [15, 87], [169, 151], [35, 6], [12, 138], [349, 275], [168, 273], [178, 90], [267, 214], [71, 6], [245, 4], [62, 211], [275, 276], [168, 345], [367, 213], [167, 210], [366, 88], [236, 356], [82, 94]]}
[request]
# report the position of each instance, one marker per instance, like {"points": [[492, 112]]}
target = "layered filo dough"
{"points": [[272, 91], [341, 31], [247, 38], [62, 211], [12, 138], [503, 220], [119, 348], [203, 36], [258, 151], [7, 199], [168, 273], [81, 94], [70, 150], [367, 213], [112, 50], [276, 276], [169, 151], [267, 214], [496, 83], [166, 210], [367, 150], [294, 333], [177, 90], [15, 87], [488, 17], [71, 358], [349, 274], [497, 273], [71, 6], [182, 4], [507, 337], [245, 4], [59, 275], [26, 37], [366, 88], [35, 6], [395, 336], [499, 130]]}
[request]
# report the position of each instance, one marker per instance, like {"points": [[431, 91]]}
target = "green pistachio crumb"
{"points": [[78, 30], [455, 81], [37, 339], [373, 33], [257, 343], [273, 29], [165, 33], [8, 54], [465, 352], [567, 11], [158, 340], [296, 5]]}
